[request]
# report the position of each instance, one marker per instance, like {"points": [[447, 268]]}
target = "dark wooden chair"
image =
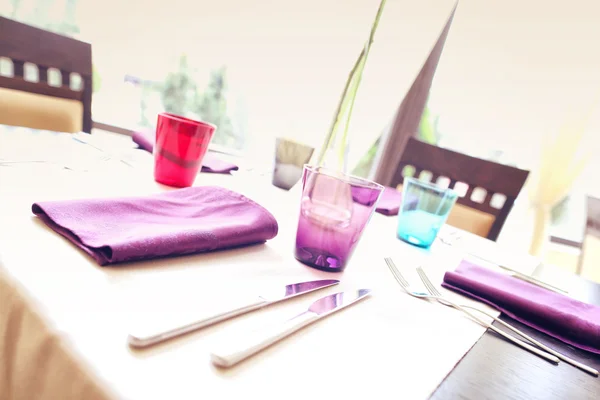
{"points": [[590, 248], [24, 44], [487, 190]]}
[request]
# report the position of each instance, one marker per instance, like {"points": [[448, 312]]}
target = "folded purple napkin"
{"points": [[389, 202], [210, 163], [144, 140], [184, 221], [557, 315]]}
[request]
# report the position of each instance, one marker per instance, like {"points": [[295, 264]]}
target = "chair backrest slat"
{"points": [[43, 74], [18, 68]]}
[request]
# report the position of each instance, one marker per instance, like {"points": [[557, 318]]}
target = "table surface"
{"points": [[381, 334]]}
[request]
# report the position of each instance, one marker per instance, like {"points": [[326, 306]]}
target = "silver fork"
{"points": [[406, 286], [433, 290]]}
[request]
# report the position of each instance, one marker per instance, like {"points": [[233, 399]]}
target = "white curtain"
{"points": [[563, 156]]}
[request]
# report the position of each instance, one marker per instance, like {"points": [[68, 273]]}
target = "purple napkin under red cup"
{"points": [[389, 202], [145, 140], [557, 315], [183, 221]]}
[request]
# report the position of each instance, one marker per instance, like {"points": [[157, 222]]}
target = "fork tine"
{"points": [[427, 287], [425, 279], [434, 289], [428, 282], [392, 269], [396, 273], [401, 277]]}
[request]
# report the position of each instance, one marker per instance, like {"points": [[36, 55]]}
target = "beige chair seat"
{"points": [[18, 108], [471, 220]]}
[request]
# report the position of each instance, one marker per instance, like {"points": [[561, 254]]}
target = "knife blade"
{"points": [[231, 352], [142, 337], [533, 280]]}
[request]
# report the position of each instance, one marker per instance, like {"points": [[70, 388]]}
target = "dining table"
{"points": [[64, 319]]}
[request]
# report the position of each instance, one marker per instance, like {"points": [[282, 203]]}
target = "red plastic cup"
{"points": [[181, 144]]}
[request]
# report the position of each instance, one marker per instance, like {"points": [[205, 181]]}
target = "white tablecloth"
{"points": [[64, 320]]}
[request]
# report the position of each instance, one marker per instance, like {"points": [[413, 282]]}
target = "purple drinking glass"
{"points": [[334, 210]]}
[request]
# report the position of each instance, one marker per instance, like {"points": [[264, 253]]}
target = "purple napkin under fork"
{"points": [[210, 163], [183, 221], [555, 314]]}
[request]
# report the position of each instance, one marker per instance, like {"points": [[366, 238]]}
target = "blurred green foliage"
{"points": [[180, 95], [428, 132]]}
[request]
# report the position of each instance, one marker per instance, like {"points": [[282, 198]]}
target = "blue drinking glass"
{"points": [[424, 209]]}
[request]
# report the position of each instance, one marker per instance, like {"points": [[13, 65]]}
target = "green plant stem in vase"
{"points": [[334, 152]]}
